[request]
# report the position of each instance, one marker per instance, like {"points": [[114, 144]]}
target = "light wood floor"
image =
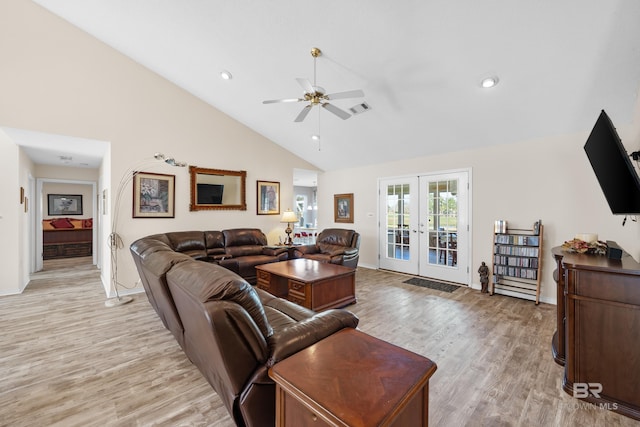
{"points": [[67, 360]]}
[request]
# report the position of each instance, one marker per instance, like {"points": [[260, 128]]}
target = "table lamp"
{"points": [[289, 217]]}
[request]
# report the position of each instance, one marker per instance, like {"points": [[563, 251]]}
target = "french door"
{"points": [[424, 225]]}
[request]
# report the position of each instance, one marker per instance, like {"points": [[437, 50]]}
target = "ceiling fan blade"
{"points": [[303, 113], [306, 85], [349, 94], [275, 101], [337, 111]]}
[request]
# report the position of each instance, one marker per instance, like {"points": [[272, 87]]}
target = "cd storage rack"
{"points": [[517, 255]]}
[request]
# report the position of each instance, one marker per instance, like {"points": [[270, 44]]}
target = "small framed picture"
{"points": [[268, 194], [153, 195], [343, 207], [64, 204], [21, 195]]}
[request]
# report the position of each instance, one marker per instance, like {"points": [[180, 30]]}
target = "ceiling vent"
{"points": [[359, 108]]}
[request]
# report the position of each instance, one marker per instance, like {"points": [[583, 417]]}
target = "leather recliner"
{"points": [[234, 332], [333, 245]]}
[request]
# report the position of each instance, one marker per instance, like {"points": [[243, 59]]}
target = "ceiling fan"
{"points": [[315, 95]]}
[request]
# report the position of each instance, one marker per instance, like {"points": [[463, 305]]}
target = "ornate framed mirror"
{"points": [[217, 189]]}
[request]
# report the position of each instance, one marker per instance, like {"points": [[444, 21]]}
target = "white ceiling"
{"points": [[419, 63]]}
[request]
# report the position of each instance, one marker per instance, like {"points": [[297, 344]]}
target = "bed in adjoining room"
{"points": [[66, 237]]}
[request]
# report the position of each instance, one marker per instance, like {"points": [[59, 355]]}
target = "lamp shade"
{"points": [[289, 216]]}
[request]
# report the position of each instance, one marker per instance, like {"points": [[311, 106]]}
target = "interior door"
{"points": [[444, 227], [424, 226]]}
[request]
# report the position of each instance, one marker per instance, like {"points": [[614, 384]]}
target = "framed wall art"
{"points": [[153, 195], [268, 195], [64, 204], [343, 207]]}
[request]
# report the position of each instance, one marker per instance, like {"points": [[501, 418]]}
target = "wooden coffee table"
{"points": [[352, 379], [309, 283]]}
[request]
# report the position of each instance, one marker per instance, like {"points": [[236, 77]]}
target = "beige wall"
{"points": [[12, 220], [549, 179]]}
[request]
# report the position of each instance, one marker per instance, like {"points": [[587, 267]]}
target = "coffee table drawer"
{"points": [[264, 279], [298, 293]]}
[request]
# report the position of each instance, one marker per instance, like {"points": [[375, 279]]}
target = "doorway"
{"points": [[78, 241], [305, 206], [424, 225]]}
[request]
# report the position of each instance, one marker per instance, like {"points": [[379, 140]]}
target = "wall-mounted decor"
{"points": [[217, 189], [26, 205], [153, 195], [21, 195], [343, 207], [64, 204], [268, 194]]}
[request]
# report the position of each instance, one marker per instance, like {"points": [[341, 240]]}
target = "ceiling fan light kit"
{"points": [[316, 95]]}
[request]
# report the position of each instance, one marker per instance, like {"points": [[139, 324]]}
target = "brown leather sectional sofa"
{"points": [[238, 249], [232, 331]]}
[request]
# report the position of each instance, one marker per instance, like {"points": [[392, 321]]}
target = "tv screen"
{"points": [[210, 194], [613, 168]]}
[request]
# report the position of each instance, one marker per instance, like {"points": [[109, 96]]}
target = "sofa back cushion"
{"points": [[214, 242], [210, 282], [335, 237], [244, 241], [154, 256], [188, 242]]}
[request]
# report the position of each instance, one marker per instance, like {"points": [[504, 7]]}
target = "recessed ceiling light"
{"points": [[489, 82], [225, 75]]}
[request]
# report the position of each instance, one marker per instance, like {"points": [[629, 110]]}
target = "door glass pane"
{"points": [[398, 221], [443, 222]]}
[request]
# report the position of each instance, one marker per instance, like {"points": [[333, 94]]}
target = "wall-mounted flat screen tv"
{"points": [[613, 168], [210, 194]]}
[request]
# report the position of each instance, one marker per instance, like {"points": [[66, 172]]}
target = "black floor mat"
{"points": [[426, 283]]}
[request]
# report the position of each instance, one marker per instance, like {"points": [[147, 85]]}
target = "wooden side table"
{"points": [[352, 379]]}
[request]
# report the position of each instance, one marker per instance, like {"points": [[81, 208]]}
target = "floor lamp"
{"points": [[115, 241]]}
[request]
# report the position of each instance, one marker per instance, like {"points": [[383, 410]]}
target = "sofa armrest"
{"points": [[350, 252], [306, 249], [308, 332], [270, 250]]}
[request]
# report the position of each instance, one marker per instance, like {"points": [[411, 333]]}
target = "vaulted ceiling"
{"points": [[419, 63]]}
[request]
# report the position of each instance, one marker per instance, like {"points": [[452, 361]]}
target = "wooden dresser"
{"points": [[598, 336]]}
